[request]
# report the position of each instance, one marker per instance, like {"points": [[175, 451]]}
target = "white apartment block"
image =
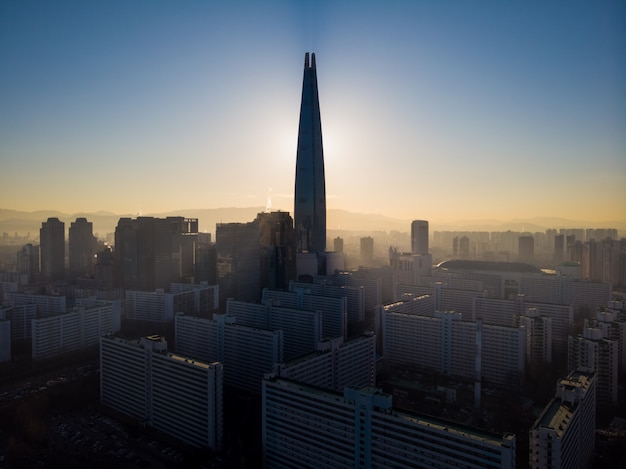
{"points": [[566, 291], [444, 298], [613, 325], [176, 395], [563, 435], [246, 353], [306, 427], [47, 305], [302, 330], [334, 310], [206, 297], [55, 335], [592, 352], [538, 336], [446, 344], [21, 317], [5, 289], [355, 296], [507, 313], [335, 365]]}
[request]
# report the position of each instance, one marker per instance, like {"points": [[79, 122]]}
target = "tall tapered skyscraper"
{"points": [[310, 193]]}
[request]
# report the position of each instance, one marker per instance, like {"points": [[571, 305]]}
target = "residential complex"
{"points": [[309, 427], [174, 394]]}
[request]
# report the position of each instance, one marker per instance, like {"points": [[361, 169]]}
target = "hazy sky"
{"points": [[431, 110]]}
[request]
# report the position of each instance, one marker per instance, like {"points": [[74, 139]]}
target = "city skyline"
{"points": [[429, 111]]}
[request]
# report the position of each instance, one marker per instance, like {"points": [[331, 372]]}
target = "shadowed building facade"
{"points": [[52, 249], [310, 189]]}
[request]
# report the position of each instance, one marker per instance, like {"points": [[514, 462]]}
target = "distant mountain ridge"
{"points": [[12, 221]]}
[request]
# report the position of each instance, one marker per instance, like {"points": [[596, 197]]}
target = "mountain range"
{"points": [[21, 222]]}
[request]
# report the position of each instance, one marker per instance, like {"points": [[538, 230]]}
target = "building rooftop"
{"points": [[488, 266], [496, 439], [556, 416]]}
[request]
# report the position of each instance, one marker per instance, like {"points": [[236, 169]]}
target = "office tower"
{"points": [[526, 248], [367, 250], [206, 260], [310, 187], [277, 249], [419, 237], [338, 244], [174, 394], [28, 261], [564, 433], [307, 427], [104, 268], [238, 261], [52, 249], [81, 247], [255, 255], [154, 252]]}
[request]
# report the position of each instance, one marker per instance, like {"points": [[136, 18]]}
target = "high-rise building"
{"points": [[255, 255], [310, 188], [308, 427], [81, 247], [559, 248], [526, 248], [172, 393], [28, 260], [367, 250], [419, 237], [591, 351], [563, 435], [464, 247], [52, 248], [246, 352], [154, 252], [278, 256]]}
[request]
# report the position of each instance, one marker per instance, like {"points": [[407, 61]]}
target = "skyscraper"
{"points": [[419, 237], [81, 246], [52, 248], [310, 190], [154, 252]]}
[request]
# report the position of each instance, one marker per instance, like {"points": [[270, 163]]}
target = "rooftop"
{"points": [[488, 266]]}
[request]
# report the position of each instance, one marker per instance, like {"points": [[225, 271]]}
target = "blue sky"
{"points": [[431, 110]]}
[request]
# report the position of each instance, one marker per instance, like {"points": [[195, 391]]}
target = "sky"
{"points": [[431, 110]]}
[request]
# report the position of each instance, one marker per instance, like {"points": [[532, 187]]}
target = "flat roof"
{"points": [[432, 422]]}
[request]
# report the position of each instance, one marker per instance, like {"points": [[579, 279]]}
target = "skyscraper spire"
{"points": [[310, 192]]}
